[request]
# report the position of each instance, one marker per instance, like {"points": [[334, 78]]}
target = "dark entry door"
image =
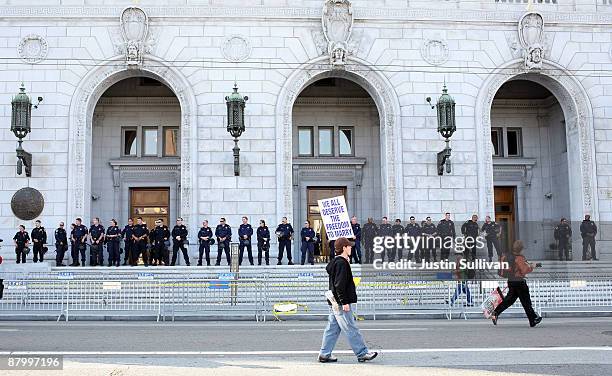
{"points": [[150, 204], [505, 214]]}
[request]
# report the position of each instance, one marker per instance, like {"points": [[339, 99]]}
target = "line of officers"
{"points": [[152, 245]]}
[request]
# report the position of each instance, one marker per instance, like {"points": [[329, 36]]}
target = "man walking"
{"points": [[340, 318]]}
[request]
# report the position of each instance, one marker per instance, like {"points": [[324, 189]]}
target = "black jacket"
{"points": [[341, 281]]}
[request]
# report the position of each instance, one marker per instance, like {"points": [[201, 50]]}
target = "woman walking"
{"points": [[517, 285], [343, 294]]}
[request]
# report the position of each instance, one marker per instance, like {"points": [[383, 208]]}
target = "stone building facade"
{"points": [[134, 100]]}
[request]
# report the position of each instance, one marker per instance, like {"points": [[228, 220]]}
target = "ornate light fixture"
{"points": [[445, 109], [235, 122], [21, 120]]}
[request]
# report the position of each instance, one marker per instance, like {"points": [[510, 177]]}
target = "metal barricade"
{"points": [[32, 298], [112, 298]]}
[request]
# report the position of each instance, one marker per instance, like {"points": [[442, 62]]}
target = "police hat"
{"points": [[45, 249], [26, 250], [212, 241]]}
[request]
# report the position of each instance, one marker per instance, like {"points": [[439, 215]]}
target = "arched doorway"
{"points": [[336, 151], [554, 106], [84, 100], [136, 152]]}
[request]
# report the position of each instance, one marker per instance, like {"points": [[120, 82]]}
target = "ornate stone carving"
{"points": [[136, 41], [434, 51], [531, 37], [27, 203], [33, 49], [236, 48], [337, 21]]}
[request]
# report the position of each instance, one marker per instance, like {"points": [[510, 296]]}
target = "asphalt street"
{"points": [[407, 347]]}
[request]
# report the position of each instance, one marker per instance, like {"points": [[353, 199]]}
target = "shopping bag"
{"points": [[492, 301]]}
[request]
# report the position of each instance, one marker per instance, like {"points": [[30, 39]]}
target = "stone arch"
{"points": [[387, 103], [86, 96], [578, 115]]}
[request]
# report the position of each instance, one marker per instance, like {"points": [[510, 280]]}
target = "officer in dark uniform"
{"points": [[61, 244], [245, 231], [563, 235], [158, 237], [179, 236], [308, 237], [263, 242], [113, 233], [128, 241], [397, 229], [139, 236], [39, 238], [588, 231], [429, 233], [369, 232], [205, 237], [284, 232], [470, 231], [79, 237], [223, 232], [385, 230], [413, 230], [22, 240], [446, 231], [74, 252], [356, 252], [492, 233], [96, 235]]}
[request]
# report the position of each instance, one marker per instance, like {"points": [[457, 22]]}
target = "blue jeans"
{"points": [[345, 322], [462, 286]]}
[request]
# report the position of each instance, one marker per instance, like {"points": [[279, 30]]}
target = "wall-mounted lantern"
{"points": [[235, 122], [21, 120], [445, 109]]}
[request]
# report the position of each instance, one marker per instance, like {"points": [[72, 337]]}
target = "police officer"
{"points": [[128, 241], [96, 235], [223, 232], [429, 233], [39, 238], [356, 252], [284, 232], [179, 236], [470, 231], [446, 231], [588, 230], [307, 235], [73, 249], [263, 242], [398, 230], [112, 243], [140, 235], [414, 232], [245, 231], [61, 244], [205, 237], [22, 241], [563, 234], [492, 232], [369, 232], [159, 236], [386, 230], [79, 238]]}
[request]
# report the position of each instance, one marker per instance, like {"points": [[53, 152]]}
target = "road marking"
{"points": [[308, 352], [367, 330], [8, 330]]}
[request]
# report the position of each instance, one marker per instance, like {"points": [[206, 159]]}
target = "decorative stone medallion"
{"points": [[33, 49], [435, 51], [236, 48], [27, 203]]}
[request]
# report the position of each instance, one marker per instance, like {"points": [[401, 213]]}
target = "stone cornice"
{"points": [[371, 13]]}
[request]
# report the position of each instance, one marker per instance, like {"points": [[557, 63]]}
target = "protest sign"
{"points": [[335, 218]]}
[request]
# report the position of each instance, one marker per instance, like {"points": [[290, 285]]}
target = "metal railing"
{"points": [[229, 295]]}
